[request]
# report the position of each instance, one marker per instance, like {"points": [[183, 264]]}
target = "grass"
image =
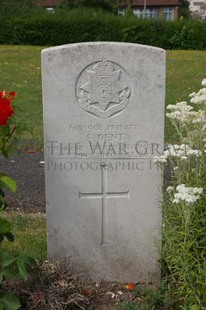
{"points": [[30, 235], [20, 69], [185, 71]]}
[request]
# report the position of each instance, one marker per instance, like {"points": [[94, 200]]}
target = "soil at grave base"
{"points": [[106, 296]]}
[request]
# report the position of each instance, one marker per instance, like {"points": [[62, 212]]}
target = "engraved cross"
{"points": [[104, 195]]}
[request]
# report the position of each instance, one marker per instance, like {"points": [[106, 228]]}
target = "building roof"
{"points": [[51, 3], [154, 3]]}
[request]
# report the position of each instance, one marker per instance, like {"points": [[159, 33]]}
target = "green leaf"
{"points": [[2, 203], [10, 272], [5, 226], [7, 259], [204, 296], [6, 130], [8, 183], [23, 262], [2, 193], [1, 279], [5, 205], [9, 302], [15, 266], [5, 153], [9, 236]]}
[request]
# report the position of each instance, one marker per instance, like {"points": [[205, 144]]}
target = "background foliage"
{"points": [[34, 26]]}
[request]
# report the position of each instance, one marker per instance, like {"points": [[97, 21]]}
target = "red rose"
{"points": [[5, 107]]}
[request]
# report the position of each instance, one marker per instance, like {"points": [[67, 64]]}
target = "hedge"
{"points": [[80, 26]]}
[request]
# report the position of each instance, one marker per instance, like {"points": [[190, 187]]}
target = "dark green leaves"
{"points": [[9, 302], [7, 182], [14, 266]]}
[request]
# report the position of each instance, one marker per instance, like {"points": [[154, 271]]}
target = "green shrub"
{"points": [[37, 27], [189, 35]]}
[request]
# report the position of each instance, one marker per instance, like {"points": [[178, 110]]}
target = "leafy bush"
{"points": [[37, 27]]}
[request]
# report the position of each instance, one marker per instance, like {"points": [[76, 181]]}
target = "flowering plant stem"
{"points": [[184, 213], [11, 266], [8, 138]]}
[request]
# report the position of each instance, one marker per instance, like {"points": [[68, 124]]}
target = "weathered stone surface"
{"points": [[104, 121]]}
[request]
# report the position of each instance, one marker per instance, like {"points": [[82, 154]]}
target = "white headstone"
{"points": [[104, 121]]}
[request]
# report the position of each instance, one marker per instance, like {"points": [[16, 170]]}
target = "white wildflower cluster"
{"points": [[179, 111], [160, 159], [182, 151], [204, 82], [170, 189], [188, 194], [198, 117], [200, 96], [185, 114]]}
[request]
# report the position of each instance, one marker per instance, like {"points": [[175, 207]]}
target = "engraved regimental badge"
{"points": [[103, 89]]}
